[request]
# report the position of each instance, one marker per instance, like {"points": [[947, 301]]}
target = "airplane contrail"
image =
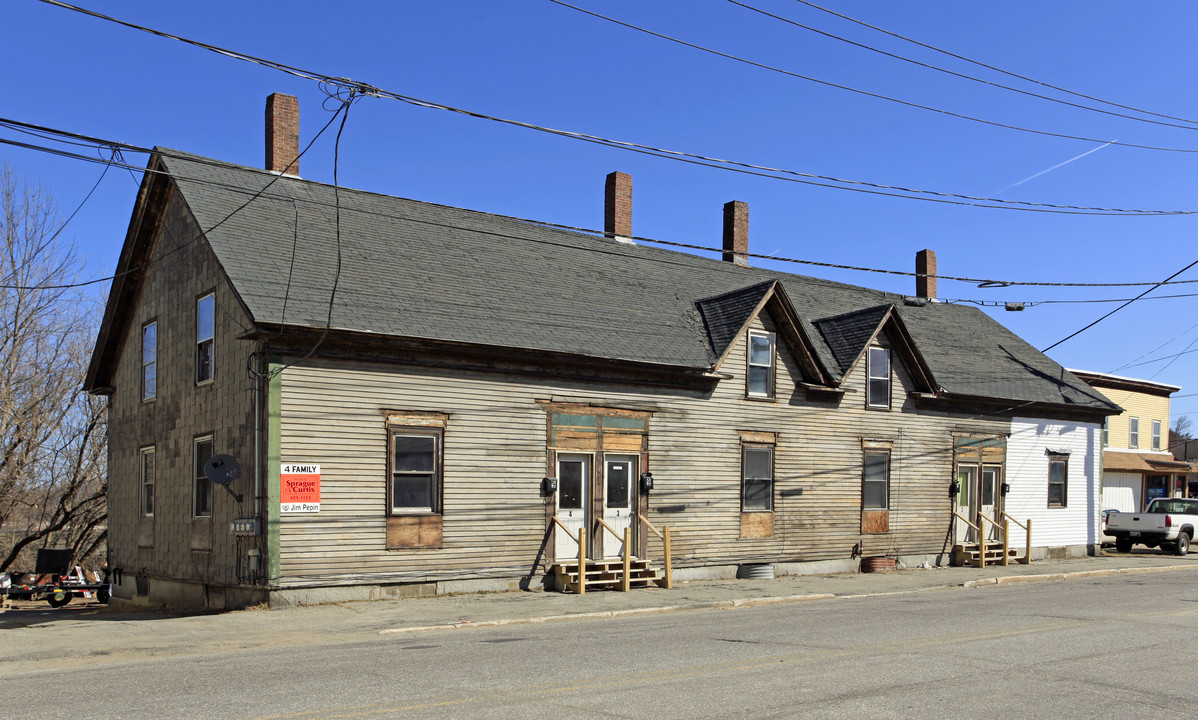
{"points": [[1054, 167]]}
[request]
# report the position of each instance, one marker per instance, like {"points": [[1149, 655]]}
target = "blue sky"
{"points": [[541, 63]]}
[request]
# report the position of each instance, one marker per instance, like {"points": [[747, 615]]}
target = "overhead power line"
{"points": [[954, 73], [1008, 73], [858, 91], [1129, 302], [99, 142], [677, 155]]}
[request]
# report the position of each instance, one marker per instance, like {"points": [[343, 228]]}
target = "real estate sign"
{"points": [[299, 488]]}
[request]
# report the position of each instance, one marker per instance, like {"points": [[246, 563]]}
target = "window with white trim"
{"points": [[878, 369], [1133, 432], [757, 478], [205, 331], [875, 482], [149, 360], [1156, 434], [147, 481], [760, 381], [201, 485], [415, 485]]}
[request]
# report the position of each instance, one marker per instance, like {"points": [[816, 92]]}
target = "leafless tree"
{"points": [[53, 478]]}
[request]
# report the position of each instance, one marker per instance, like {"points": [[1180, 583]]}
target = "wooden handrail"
{"points": [[609, 528], [1027, 535], [1008, 517], [965, 520], [582, 554], [649, 525], [664, 534]]}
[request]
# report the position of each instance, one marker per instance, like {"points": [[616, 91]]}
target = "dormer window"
{"points": [[878, 369], [760, 382]]}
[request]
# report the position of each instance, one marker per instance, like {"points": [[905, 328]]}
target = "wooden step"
{"points": [[967, 554], [606, 574]]}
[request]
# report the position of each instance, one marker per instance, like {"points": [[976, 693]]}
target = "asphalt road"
{"points": [[1109, 647]]}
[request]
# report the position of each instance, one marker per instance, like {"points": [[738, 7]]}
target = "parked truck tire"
{"points": [[59, 599], [1123, 544], [1182, 546]]}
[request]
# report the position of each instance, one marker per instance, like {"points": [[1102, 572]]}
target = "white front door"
{"points": [[619, 485], [991, 481], [573, 477], [967, 480]]}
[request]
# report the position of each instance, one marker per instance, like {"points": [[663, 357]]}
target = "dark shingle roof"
{"points": [[846, 335], [418, 270], [725, 315]]}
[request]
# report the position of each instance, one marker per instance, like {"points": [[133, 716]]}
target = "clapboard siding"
{"points": [[495, 454]]}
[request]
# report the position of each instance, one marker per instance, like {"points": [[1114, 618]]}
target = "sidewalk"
{"points": [[34, 636]]}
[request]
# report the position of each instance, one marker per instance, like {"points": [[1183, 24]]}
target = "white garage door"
{"points": [[1121, 491]]}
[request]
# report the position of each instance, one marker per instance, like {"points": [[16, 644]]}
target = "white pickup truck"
{"points": [[1168, 522]]}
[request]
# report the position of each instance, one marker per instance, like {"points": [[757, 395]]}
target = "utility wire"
{"points": [[988, 282], [692, 158], [984, 282], [858, 91], [992, 67], [254, 195], [1129, 302], [954, 73]]}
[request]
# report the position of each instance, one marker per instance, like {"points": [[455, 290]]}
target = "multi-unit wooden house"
{"points": [[422, 398]]}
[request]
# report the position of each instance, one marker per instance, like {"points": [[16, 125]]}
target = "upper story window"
{"points": [[1133, 432], [878, 368], [149, 361], [205, 330], [415, 471], [757, 478], [1156, 434], [760, 381], [1106, 431]]}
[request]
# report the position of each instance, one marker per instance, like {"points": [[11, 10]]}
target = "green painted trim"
{"points": [[274, 390]]}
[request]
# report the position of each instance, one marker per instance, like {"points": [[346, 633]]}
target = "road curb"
{"points": [[782, 600]]}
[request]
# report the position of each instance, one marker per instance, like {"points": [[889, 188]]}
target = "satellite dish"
{"points": [[222, 469]]}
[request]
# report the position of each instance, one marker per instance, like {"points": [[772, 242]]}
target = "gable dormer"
{"points": [[730, 317], [871, 341]]}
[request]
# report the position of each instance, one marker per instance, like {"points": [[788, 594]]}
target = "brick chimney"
{"points": [[282, 134], [617, 206], [736, 232], [925, 279]]}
